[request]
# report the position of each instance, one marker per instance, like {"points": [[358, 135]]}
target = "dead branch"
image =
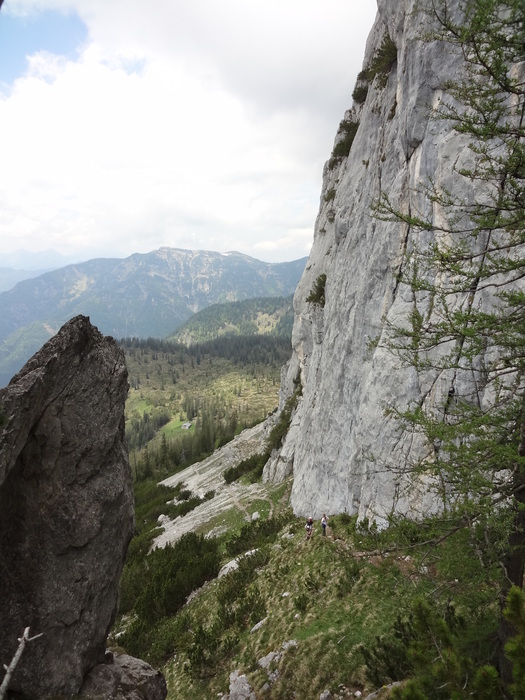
{"points": [[9, 670]]}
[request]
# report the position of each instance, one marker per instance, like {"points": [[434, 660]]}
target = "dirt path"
{"points": [[237, 502]]}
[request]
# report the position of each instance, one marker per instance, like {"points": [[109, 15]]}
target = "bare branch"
{"points": [[9, 670]]}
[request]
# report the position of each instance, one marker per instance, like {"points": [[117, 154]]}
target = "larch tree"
{"points": [[465, 272]]}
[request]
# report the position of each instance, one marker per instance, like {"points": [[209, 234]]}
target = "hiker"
{"points": [[324, 523], [309, 527]]}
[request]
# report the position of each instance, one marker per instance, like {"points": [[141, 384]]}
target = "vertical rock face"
{"points": [[343, 447], [66, 508]]}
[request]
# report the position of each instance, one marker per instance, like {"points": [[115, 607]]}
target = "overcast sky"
{"points": [[129, 125]]}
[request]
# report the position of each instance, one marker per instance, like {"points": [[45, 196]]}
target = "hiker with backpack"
{"points": [[309, 527]]}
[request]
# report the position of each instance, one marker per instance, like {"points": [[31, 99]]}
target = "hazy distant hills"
{"points": [[9, 277], [143, 295], [44, 260]]}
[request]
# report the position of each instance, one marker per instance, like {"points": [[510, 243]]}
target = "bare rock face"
{"points": [[345, 449], [208, 476], [66, 508]]}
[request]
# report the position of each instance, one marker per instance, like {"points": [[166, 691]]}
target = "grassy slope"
{"points": [[331, 595], [309, 598]]}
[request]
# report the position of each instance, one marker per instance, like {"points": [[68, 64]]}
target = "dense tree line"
{"points": [[248, 350], [142, 429], [242, 349], [209, 431]]}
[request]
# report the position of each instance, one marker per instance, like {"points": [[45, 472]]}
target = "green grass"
{"points": [[320, 593], [174, 427], [336, 597], [228, 521], [261, 507], [136, 402]]}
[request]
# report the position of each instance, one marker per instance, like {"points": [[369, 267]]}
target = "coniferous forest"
{"points": [[184, 402]]}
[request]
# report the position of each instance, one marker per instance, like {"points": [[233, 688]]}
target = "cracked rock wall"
{"points": [[343, 449]]}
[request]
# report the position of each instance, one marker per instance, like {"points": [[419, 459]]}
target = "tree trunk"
{"points": [[514, 561]]}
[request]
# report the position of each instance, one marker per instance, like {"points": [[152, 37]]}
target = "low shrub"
{"points": [[157, 587], [387, 657], [301, 601], [432, 647], [317, 293], [140, 545], [330, 194], [174, 571], [240, 604], [347, 130], [351, 572], [255, 534], [235, 583], [151, 501], [247, 608], [253, 466], [280, 429], [171, 634], [359, 94], [207, 649], [383, 61]]}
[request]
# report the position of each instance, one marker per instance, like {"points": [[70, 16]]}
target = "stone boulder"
{"points": [[66, 508], [123, 677]]}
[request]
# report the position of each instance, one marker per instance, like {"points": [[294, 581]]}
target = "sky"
{"points": [[129, 125]]}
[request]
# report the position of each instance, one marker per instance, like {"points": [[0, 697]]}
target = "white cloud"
{"points": [[198, 124]]}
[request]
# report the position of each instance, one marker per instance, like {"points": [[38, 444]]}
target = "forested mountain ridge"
{"points": [[259, 316], [140, 296]]}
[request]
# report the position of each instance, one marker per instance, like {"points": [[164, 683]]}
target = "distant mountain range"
{"points": [[9, 276], [43, 260], [144, 295]]}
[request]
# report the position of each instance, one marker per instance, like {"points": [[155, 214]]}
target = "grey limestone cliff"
{"points": [[343, 447]]}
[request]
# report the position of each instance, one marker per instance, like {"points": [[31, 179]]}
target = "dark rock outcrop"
{"points": [[123, 677], [66, 508]]}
